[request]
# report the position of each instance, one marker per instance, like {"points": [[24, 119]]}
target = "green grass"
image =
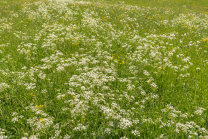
{"points": [[176, 5], [103, 69]]}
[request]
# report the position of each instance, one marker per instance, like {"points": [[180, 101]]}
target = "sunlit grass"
{"points": [[177, 5], [103, 69]]}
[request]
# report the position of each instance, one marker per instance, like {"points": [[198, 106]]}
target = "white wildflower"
{"points": [[60, 96], [146, 73], [125, 123], [2, 132], [33, 137], [199, 111], [136, 121], [44, 91], [142, 106], [107, 131], [42, 76], [186, 59], [105, 88], [130, 86], [14, 113], [185, 115], [161, 136], [80, 127], [83, 88], [172, 115], [143, 92], [143, 101], [60, 68], [24, 67], [3, 86], [135, 132], [197, 68], [154, 85], [30, 86], [189, 137], [15, 119], [111, 123], [57, 133], [66, 136]]}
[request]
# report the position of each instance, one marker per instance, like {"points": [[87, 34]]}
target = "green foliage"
{"points": [[103, 69]]}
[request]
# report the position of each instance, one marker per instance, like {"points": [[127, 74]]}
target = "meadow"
{"points": [[103, 69]]}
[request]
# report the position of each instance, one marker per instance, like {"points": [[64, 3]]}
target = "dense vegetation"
{"points": [[103, 69]]}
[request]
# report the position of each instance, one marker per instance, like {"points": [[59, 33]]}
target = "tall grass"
{"points": [[100, 69]]}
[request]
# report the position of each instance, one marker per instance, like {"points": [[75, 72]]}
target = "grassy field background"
{"points": [[176, 5], [103, 69]]}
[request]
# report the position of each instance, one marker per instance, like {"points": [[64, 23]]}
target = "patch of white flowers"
{"points": [[2, 134], [89, 81], [80, 127], [125, 123]]}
